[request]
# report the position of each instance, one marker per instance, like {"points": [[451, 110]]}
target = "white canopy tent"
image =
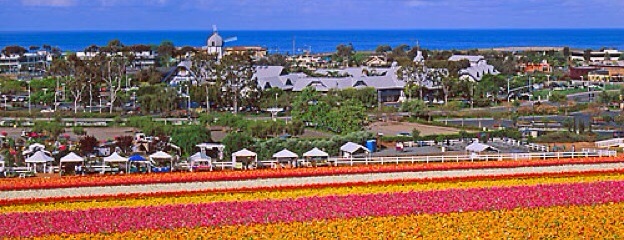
{"points": [[286, 155], [115, 158], [477, 147], [200, 159], [350, 148], [162, 155], [39, 157], [70, 158], [315, 152], [316, 156], [245, 154]]}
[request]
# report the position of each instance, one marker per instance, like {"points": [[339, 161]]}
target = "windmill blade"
{"points": [[230, 39]]}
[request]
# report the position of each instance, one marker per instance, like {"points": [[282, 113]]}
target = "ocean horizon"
{"points": [[281, 41]]}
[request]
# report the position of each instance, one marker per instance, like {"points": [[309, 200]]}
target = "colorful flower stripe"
{"points": [[562, 222], [134, 179], [278, 194], [308, 209], [105, 197]]}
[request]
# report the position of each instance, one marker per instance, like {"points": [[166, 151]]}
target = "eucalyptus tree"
{"points": [[235, 73]]}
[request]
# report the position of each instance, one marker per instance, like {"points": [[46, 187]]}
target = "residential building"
{"points": [[477, 69], [580, 73], [543, 66], [600, 75], [254, 51], [376, 61], [385, 80]]}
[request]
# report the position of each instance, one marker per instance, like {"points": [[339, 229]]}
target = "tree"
{"points": [[447, 82], [124, 143], [587, 55], [383, 49], [235, 77], [566, 52], [113, 71], [415, 107], [415, 134], [166, 51], [186, 137], [78, 130], [561, 99], [52, 128], [235, 141], [87, 144], [347, 118]]}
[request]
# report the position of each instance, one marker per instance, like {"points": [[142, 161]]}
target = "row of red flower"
{"points": [[308, 209], [179, 177], [122, 196]]}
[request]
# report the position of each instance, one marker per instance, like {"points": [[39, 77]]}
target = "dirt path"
{"points": [[393, 128]]}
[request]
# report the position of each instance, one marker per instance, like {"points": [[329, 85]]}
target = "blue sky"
{"points": [[26, 15]]}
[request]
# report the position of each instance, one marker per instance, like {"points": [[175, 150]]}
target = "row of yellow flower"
{"points": [[565, 222], [298, 193]]}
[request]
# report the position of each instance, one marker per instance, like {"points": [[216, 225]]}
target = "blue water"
{"points": [[326, 41]]}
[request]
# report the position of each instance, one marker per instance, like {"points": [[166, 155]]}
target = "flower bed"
{"points": [[561, 222], [298, 191], [179, 177], [310, 209]]}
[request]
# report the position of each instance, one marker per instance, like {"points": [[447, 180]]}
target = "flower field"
{"points": [[563, 205], [182, 177]]}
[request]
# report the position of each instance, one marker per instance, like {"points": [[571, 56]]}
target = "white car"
{"points": [[47, 110]]}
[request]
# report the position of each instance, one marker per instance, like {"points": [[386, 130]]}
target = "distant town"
{"points": [[538, 91]]}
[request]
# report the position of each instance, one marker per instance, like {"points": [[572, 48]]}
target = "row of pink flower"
{"points": [[307, 209]]}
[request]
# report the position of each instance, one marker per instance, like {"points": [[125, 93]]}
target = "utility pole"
{"points": [[29, 108]]}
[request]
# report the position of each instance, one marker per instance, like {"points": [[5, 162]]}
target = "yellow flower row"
{"points": [[298, 193], [571, 222]]}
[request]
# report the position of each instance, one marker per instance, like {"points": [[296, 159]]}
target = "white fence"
{"points": [[610, 143], [459, 158]]}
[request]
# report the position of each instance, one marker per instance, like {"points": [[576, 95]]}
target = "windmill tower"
{"points": [[214, 44]]}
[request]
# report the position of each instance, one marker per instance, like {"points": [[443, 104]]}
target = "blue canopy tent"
{"points": [[136, 158]]}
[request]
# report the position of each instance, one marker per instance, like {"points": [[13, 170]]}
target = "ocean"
{"points": [[326, 40]]}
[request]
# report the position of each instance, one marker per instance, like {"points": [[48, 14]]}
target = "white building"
{"points": [[477, 69], [214, 44]]}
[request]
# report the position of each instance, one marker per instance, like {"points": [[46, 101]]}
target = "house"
{"points": [[477, 69], [254, 51], [543, 66], [376, 61], [385, 80], [180, 74], [419, 57], [600, 75]]}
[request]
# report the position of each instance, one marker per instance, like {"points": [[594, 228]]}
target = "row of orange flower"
{"points": [[178, 177]]}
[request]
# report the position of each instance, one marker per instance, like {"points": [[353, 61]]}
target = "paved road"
{"points": [[171, 187]]}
